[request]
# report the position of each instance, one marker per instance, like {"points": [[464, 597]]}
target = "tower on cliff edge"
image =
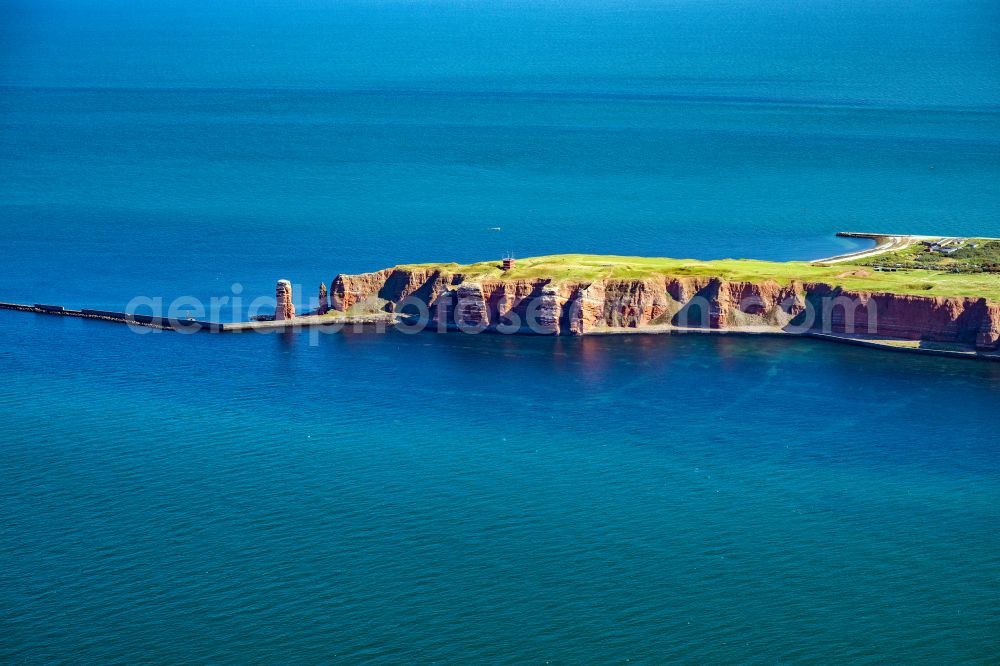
{"points": [[285, 309], [508, 262]]}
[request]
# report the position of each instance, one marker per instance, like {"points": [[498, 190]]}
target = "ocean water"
{"points": [[388, 498]]}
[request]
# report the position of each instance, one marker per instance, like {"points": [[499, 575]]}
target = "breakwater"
{"points": [[151, 321], [196, 325]]}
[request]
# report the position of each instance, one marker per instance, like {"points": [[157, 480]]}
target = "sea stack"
{"points": [[283, 293], [324, 304]]}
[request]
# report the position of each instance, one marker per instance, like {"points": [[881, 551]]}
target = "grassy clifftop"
{"points": [[579, 267], [974, 255]]}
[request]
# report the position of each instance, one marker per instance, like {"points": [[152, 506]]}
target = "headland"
{"points": [[910, 293], [924, 294]]}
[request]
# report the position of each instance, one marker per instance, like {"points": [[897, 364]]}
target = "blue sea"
{"points": [[366, 497]]}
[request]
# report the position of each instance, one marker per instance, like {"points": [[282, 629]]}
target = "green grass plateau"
{"points": [[585, 267]]}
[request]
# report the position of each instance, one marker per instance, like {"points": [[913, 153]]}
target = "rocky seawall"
{"points": [[545, 307]]}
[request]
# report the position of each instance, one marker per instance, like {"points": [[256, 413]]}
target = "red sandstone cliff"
{"points": [[576, 308], [285, 309]]}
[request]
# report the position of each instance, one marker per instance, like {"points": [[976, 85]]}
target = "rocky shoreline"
{"points": [[575, 295], [544, 306]]}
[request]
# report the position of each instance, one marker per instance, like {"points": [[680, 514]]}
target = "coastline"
{"points": [[942, 306], [897, 345], [605, 295]]}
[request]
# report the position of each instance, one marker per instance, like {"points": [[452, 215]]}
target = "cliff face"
{"points": [[576, 308], [967, 320], [988, 337], [385, 287]]}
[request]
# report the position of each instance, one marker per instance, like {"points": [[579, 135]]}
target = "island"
{"points": [[926, 294], [930, 293]]}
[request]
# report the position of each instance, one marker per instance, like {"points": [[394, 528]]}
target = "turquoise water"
{"points": [[391, 498]]}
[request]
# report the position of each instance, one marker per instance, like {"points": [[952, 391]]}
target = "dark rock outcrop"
{"points": [[324, 303]]}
